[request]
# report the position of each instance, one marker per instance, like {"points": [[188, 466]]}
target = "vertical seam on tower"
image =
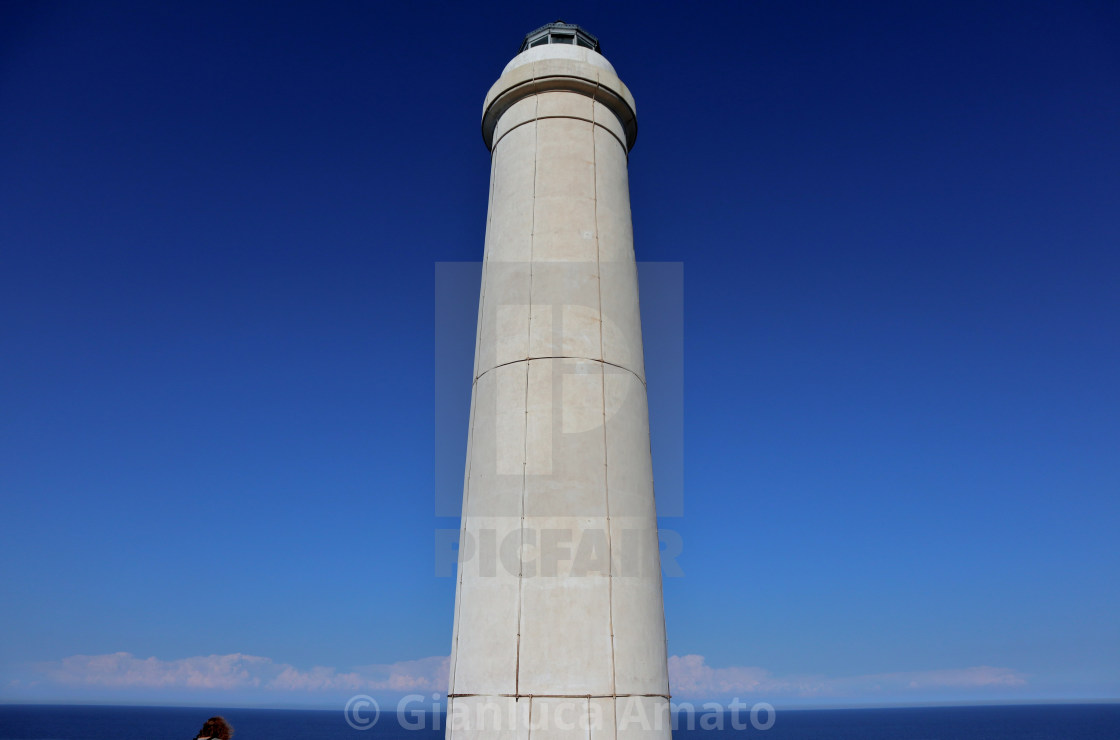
{"points": [[653, 488], [603, 389], [657, 549], [470, 439], [525, 426], [485, 260]]}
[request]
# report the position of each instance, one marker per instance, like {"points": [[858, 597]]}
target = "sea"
{"points": [[1019, 722]]}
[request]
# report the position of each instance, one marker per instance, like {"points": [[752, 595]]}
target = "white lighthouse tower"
{"points": [[559, 619]]}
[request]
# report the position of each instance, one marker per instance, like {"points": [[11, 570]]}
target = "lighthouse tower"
{"points": [[559, 619]]}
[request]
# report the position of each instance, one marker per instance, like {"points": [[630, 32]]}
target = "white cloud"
{"points": [[690, 675], [426, 674], [123, 669], [239, 671]]}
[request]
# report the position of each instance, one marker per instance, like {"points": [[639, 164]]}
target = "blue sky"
{"points": [[897, 229]]}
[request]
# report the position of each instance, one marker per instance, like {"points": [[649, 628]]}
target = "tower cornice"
{"points": [[559, 73]]}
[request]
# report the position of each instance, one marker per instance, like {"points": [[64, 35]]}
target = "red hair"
{"points": [[216, 727]]}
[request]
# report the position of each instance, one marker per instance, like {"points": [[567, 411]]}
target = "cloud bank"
{"points": [[240, 671], [690, 677]]}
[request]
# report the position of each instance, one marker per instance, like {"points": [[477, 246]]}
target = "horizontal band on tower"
{"points": [[559, 357], [564, 696], [593, 89], [527, 121]]}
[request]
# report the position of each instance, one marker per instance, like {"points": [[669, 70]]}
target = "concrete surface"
{"points": [[559, 620]]}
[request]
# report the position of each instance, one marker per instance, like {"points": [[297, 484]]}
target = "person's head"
{"points": [[216, 727]]}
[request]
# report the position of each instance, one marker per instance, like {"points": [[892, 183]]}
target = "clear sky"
{"points": [[898, 228]]}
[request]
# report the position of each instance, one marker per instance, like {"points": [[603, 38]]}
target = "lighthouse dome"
{"points": [[560, 40]]}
